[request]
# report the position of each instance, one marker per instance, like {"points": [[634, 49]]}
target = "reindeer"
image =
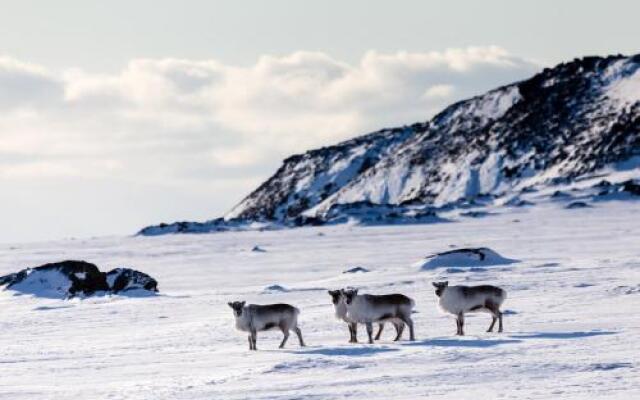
{"points": [[458, 300], [255, 318], [367, 309], [341, 313]]}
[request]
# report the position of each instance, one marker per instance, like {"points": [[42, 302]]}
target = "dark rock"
{"points": [[577, 204], [8, 279], [631, 187], [355, 270], [614, 190], [75, 278], [558, 194], [517, 202], [603, 183], [475, 214], [81, 277], [124, 279]]}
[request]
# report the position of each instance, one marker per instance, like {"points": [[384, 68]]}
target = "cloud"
{"points": [[438, 91], [170, 120], [23, 85]]}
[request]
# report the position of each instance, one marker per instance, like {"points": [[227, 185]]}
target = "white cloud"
{"points": [[171, 120], [438, 91], [236, 157], [24, 85]]}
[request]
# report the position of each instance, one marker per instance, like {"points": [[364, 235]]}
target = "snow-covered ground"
{"points": [[572, 323]]}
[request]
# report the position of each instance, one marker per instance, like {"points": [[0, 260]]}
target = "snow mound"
{"points": [[46, 283], [71, 278], [275, 289], [577, 204], [468, 257]]}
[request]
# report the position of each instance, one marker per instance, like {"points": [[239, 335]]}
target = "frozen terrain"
{"points": [[572, 322]]}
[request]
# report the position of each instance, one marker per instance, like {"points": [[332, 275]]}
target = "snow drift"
{"points": [[469, 257]]}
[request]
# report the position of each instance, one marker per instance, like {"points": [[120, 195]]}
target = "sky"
{"points": [[116, 115]]}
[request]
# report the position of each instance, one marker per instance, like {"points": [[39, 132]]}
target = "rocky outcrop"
{"points": [[76, 278], [124, 279]]}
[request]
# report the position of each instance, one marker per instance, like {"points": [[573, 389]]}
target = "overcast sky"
{"points": [[119, 114]]}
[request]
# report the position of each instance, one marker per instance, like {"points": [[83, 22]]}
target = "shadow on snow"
{"points": [[562, 335], [516, 338], [462, 342], [346, 351]]}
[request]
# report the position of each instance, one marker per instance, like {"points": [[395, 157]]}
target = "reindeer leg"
{"points": [[499, 321], [299, 334], [461, 324], [354, 327], [380, 327], [285, 332], [370, 332], [409, 321], [495, 312], [250, 342], [493, 322], [254, 339], [351, 340], [399, 329]]}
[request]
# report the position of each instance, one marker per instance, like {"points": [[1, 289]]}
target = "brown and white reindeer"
{"points": [[368, 309], [255, 318], [458, 300], [340, 308]]}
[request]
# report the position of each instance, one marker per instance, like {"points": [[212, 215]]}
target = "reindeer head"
{"points": [[440, 287], [349, 295], [335, 296], [237, 307]]}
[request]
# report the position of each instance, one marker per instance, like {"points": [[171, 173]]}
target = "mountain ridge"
{"points": [[560, 125]]}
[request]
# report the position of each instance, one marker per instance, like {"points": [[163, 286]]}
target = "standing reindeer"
{"points": [[367, 309], [256, 318], [458, 300], [341, 313]]}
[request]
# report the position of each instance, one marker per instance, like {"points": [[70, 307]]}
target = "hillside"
{"points": [[574, 123]]}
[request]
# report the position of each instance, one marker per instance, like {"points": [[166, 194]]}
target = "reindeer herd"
{"points": [[369, 309]]}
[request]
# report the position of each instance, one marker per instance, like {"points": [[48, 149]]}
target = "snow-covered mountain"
{"points": [[576, 122]]}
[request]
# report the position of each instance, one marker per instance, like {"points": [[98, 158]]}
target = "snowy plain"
{"points": [[572, 323]]}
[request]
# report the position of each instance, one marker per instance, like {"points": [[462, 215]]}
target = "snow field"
{"points": [[572, 323]]}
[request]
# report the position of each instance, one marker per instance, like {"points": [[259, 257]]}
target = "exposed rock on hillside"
{"points": [[76, 278]]}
